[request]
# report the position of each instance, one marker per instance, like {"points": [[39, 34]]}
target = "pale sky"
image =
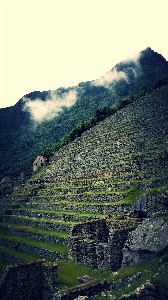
{"points": [[50, 44]]}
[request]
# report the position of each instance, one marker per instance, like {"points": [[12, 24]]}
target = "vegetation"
{"points": [[147, 271], [35, 243], [104, 112], [22, 139], [20, 254], [35, 230], [140, 167]]}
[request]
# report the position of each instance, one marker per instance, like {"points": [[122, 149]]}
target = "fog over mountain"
{"points": [[55, 100], [47, 110], [133, 68], [40, 119]]}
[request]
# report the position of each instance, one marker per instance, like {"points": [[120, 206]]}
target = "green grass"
{"points": [[19, 254], [158, 189], [77, 270], [147, 270], [68, 213], [35, 243], [43, 220], [3, 265], [61, 234], [132, 196]]}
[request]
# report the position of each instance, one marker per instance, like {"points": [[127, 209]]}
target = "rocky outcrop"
{"points": [[145, 242], [146, 292]]}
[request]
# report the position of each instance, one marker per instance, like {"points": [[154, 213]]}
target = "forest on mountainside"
{"points": [[22, 139]]}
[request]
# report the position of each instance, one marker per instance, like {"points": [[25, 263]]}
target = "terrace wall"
{"points": [[99, 243], [35, 280], [46, 225], [32, 249], [36, 236]]}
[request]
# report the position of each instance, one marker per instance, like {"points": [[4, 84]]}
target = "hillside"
{"points": [[102, 202], [40, 119]]}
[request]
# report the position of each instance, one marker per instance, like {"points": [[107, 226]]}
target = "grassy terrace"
{"points": [[52, 221], [35, 243], [3, 265], [115, 180], [19, 254], [129, 198], [76, 181], [36, 230], [67, 213], [147, 270], [110, 183], [88, 182]]}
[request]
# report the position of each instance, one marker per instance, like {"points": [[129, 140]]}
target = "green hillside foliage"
{"points": [[22, 139], [102, 113]]}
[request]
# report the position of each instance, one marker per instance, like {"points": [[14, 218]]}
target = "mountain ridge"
{"points": [[23, 137]]}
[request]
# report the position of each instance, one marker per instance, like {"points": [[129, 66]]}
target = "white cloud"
{"points": [[47, 110], [114, 75], [110, 76], [134, 58]]}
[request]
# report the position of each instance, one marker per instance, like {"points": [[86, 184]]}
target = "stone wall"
{"points": [[32, 249], [35, 280], [90, 288], [37, 223], [99, 243], [11, 259], [36, 236], [89, 208], [115, 245], [93, 230]]}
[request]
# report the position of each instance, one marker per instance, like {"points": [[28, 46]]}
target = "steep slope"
{"points": [[41, 118], [130, 139], [83, 200]]}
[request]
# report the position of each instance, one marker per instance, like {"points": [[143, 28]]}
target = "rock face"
{"points": [[144, 207], [145, 242]]}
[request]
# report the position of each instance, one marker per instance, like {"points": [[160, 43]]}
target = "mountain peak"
{"points": [[41, 119]]}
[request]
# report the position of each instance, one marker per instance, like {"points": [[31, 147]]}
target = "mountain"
{"points": [[101, 203], [39, 119]]}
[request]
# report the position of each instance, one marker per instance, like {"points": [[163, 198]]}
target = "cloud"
{"points": [[110, 76], [122, 70], [46, 110], [133, 58]]}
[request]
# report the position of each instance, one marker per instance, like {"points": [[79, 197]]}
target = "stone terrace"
{"points": [[97, 177]]}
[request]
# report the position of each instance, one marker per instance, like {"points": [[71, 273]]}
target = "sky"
{"points": [[50, 44]]}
